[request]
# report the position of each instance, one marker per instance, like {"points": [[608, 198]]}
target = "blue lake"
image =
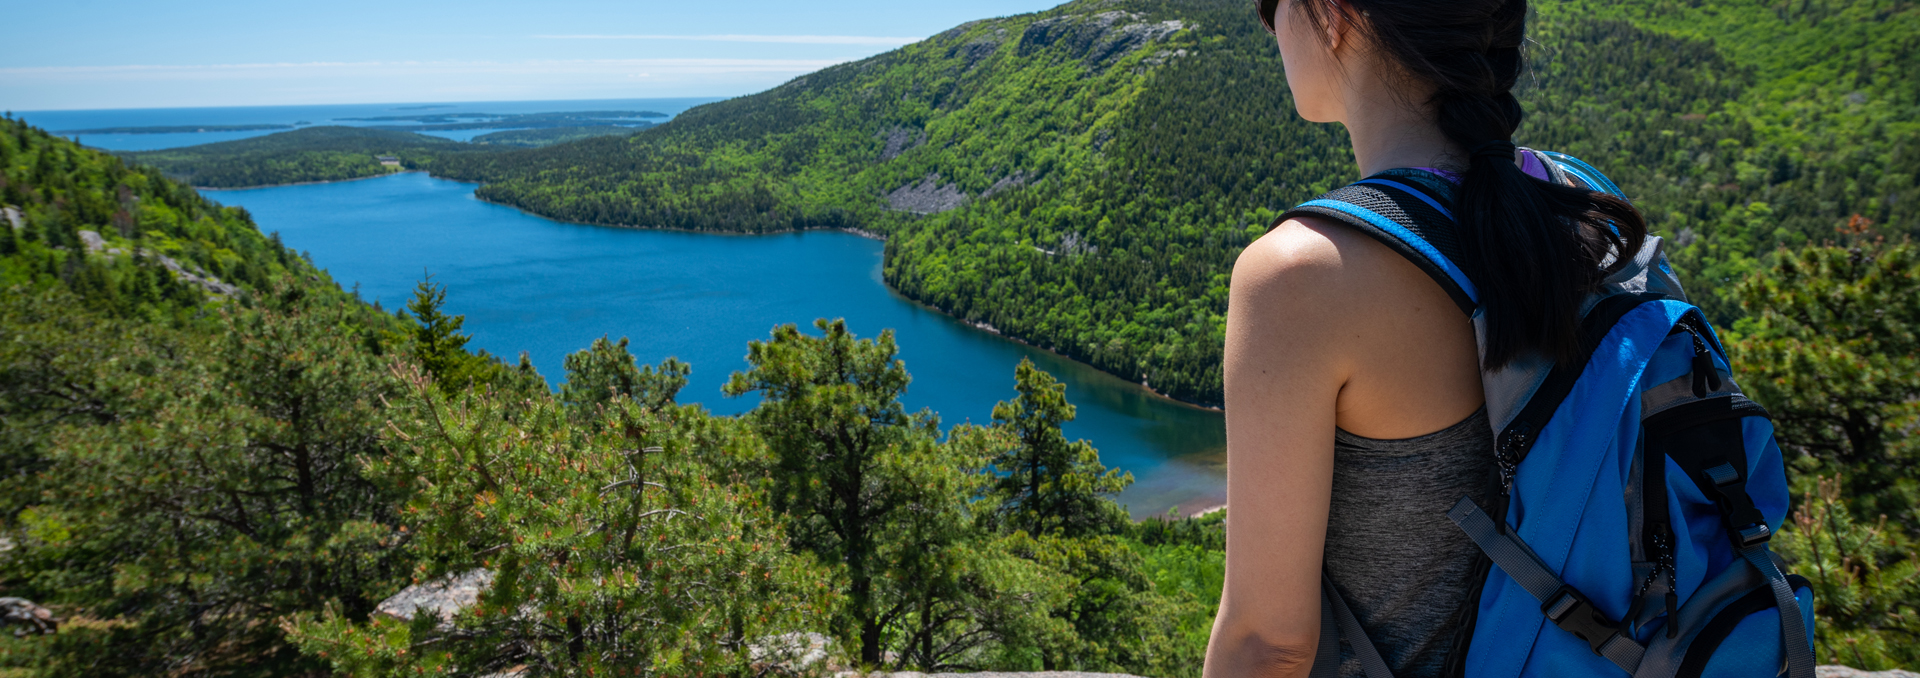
{"points": [[549, 288]]}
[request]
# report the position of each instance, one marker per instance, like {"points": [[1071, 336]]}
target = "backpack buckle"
{"points": [[1745, 525], [1573, 613]]}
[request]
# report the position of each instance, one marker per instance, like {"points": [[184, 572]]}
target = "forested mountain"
{"points": [[1083, 177]]}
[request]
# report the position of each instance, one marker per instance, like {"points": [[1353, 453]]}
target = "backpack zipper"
{"points": [[1706, 379]]}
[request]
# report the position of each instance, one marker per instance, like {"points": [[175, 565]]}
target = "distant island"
{"points": [[459, 121], [547, 136], [422, 108], [177, 129]]}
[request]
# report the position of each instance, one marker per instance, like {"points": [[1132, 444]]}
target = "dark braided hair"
{"points": [[1535, 248]]}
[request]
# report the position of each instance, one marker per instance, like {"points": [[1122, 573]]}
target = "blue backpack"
{"points": [[1639, 489]]}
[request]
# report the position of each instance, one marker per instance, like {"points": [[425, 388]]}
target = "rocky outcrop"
{"points": [[1011, 181], [926, 196], [443, 597], [790, 652], [900, 140], [929, 196], [1096, 39], [27, 618], [193, 276], [975, 50], [1850, 672], [987, 675]]}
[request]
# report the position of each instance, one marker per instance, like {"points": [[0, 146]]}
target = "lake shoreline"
{"points": [[871, 235], [527, 282], [317, 183]]}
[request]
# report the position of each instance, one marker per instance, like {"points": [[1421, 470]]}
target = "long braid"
{"points": [[1535, 248]]}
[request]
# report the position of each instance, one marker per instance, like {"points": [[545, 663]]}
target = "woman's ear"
{"points": [[1340, 21]]}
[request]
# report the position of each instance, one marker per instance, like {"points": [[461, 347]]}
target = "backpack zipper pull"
{"points": [[1508, 454], [1663, 542], [1703, 371]]}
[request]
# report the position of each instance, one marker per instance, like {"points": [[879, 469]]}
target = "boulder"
{"points": [[1850, 672], [443, 597], [985, 675], [30, 618]]}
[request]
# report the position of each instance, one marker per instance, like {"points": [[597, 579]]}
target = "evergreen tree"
{"points": [[208, 487], [605, 550], [869, 488], [1832, 349], [437, 342], [1046, 484], [606, 370]]}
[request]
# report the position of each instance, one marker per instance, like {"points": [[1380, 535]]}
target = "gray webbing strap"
{"points": [[1559, 601], [1793, 629], [1363, 649], [1510, 554]]}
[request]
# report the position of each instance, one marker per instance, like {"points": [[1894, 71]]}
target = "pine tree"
{"points": [[437, 341], [1047, 484], [869, 487], [606, 370]]}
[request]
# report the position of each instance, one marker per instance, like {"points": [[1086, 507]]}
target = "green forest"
{"points": [[1082, 178], [217, 462], [325, 153]]}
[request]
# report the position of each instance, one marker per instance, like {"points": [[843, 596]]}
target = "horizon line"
{"points": [[895, 41]]}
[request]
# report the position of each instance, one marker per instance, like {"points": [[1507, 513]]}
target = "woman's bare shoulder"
{"points": [[1309, 259]]}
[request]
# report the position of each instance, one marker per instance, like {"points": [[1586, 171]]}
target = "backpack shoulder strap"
{"points": [[1409, 211], [1411, 218]]}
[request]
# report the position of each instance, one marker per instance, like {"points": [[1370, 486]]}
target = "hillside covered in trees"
{"points": [[214, 461], [1082, 178], [217, 462]]}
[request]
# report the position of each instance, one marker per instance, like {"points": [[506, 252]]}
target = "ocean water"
{"points": [[548, 288], [59, 121]]}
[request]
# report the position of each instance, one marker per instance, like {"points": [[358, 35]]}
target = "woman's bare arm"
{"points": [[1289, 317]]}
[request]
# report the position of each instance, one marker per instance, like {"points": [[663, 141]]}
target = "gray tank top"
{"points": [[1402, 566]]}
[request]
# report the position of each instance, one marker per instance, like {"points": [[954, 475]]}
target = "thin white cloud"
{"points": [[400, 68], [888, 41]]}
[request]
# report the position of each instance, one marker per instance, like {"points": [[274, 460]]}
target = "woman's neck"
{"points": [[1390, 130]]}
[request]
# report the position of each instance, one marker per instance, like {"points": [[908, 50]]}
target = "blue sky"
{"points": [[83, 54]]}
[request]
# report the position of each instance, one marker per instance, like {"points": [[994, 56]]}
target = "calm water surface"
{"points": [[548, 288]]}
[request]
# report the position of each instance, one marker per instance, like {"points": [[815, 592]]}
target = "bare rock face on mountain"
{"points": [[974, 50], [926, 196], [1096, 39], [195, 276], [900, 140]]}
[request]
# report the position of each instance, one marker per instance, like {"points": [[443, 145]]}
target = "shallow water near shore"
{"points": [[548, 288]]}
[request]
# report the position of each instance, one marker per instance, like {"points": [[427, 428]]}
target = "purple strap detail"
{"points": [[1529, 163]]}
